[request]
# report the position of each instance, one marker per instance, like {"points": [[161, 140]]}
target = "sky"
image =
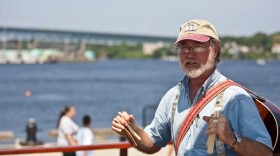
{"points": [[142, 17]]}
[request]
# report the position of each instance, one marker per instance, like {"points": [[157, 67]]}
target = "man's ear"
{"points": [[216, 50]]}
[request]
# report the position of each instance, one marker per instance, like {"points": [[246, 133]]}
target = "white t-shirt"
{"points": [[66, 126], [85, 137]]}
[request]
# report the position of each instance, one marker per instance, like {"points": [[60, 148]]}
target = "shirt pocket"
{"points": [[199, 136]]}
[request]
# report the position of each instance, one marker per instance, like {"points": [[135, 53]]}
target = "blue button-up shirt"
{"points": [[239, 108]]}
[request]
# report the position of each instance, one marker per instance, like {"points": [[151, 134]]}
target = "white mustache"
{"points": [[191, 61]]}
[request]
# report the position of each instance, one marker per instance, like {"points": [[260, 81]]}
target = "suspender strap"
{"points": [[219, 144], [198, 106], [212, 139], [174, 105], [176, 100]]}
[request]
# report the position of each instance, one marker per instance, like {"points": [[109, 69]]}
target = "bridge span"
{"points": [[47, 35]]}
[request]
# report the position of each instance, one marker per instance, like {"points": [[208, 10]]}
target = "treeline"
{"points": [[260, 40], [258, 46]]}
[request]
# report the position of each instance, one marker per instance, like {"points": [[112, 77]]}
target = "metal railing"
{"points": [[147, 116], [123, 146]]}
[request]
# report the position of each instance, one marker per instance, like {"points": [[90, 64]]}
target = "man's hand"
{"points": [[145, 144], [221, 128], [224, 132], [123, 119]]}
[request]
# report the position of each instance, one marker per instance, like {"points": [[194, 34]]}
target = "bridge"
{"points": [[19, 45], [47, 35]]}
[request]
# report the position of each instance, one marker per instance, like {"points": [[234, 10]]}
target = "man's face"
{"points": [[196, 57]]}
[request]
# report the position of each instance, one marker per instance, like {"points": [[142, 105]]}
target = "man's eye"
{"points": [[199, 47]]}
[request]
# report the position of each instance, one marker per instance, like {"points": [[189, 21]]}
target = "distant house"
{"points": [[243, 49], [150, 48], [234, 48], [275, 48]]}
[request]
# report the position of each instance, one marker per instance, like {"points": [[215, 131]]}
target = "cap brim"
{"points": [[194, 37]]}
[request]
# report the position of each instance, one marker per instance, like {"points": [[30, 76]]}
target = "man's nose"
{"points": [[190, 53]]}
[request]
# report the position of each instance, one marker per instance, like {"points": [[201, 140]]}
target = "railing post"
{"points": [[123, 151]]}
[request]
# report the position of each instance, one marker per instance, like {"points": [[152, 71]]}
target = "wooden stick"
{"points": [[131, 130], [210, 143], [128, 133], [211, 138]]}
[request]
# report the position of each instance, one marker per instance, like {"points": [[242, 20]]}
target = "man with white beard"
{"points": [[236, 124]]}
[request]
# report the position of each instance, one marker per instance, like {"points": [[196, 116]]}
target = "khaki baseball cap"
{"points": [[197, 30]]}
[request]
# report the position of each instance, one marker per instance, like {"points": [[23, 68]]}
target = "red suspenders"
{"points": [[209, 95]]}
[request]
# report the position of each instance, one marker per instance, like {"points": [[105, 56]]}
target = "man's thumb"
{"points": [[206, 118]]}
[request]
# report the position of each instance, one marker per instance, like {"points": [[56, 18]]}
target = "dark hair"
{"points": [[86, 120], [63, 111]]}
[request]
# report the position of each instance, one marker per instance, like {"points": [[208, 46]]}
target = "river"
{"points": [[103, 88]]}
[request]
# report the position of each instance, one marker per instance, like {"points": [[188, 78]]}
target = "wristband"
{"points": [[237, 140]]}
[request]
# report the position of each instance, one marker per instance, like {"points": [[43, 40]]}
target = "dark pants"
{"points": [[69, 154]]}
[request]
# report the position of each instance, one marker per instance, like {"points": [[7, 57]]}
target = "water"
{"points": [[103, 88]]}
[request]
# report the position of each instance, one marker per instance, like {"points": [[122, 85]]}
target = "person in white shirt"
{"points": [[67, 129], [85, 136]]}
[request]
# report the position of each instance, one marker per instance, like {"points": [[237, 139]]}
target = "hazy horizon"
{"points": [[149, 18]]}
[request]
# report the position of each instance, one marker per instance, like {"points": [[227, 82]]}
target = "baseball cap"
{"points": [[197, 30]]}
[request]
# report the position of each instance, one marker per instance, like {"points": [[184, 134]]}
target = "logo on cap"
{"points": [[190, 27]]}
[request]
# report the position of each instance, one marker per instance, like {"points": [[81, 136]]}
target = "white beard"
{"points": [[194, 73]]}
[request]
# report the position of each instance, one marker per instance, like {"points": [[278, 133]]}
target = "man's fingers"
{"points": [[117, 124], [212, 124], [124, 115], [212, 130], [131, 119], [121, 120], [206, 118], [211, 119], [221, 128], [116, 129], [216, 128]]}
